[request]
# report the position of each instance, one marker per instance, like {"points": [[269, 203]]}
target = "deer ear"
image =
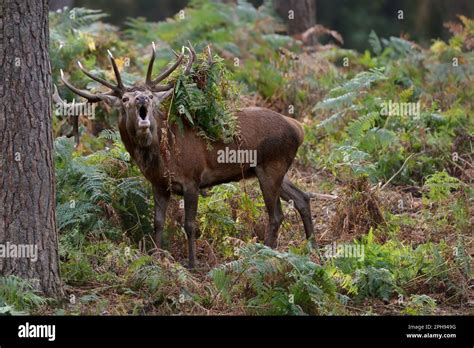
{"points": [[111, 100], [160, 96]]}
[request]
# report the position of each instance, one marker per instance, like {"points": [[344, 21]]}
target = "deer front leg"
{"points": [[161, 197], [190, 211]]}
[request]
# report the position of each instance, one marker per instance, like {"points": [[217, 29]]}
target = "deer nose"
{"points": [[141, 99]]}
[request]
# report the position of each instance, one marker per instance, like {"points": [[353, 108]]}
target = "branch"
{"points": [[394, 175]]}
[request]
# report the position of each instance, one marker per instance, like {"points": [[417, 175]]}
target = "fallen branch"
{"points": [[322, 195]]}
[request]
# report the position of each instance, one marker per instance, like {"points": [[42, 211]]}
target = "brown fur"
{"points": [[194, 166]]}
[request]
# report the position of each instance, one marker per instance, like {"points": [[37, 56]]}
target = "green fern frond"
{"points": [[359, 126]]}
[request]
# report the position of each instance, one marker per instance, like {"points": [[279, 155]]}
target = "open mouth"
{"points": [[143, 121], [142, 111]]}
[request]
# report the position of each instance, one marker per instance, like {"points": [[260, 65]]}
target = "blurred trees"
{"points": [[423, 19], [298, 14], [120, 10], [59, 4]]}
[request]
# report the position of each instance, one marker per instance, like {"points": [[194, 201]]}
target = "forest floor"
{"points": [[97, 298]]}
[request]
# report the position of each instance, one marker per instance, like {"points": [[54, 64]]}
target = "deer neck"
{"points": [[145, 152]]}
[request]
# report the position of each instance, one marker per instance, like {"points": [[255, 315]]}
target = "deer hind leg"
{"points": [[270, 184], [301, 200]]}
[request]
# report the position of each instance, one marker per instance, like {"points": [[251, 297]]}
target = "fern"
{"points": [[101, 191], [345, 99], [206, 99], [375, 43], [375, 282], [18, 296], [440, 185], [358, 127], [361, 81], [75, 18], [336, 102], [401, 48], [281, 283]]}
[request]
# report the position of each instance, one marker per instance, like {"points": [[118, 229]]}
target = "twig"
{"points": [[463, 170], [394, 175], [322, 195]]}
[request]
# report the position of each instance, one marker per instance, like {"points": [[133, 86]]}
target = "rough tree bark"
{"points": [[304, 12], [27, 193]]}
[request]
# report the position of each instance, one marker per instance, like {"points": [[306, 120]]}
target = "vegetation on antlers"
{"points": [[206, 98]]}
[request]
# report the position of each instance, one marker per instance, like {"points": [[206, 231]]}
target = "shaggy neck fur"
{"points": [[144, 146]]}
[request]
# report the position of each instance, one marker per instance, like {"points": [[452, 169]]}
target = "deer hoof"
{"points": [[271, 242], [191, 265]]}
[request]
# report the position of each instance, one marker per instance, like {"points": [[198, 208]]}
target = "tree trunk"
{"points": [[27, 195], [303, 16]]}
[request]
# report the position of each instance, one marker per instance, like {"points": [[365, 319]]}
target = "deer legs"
{"points": [[274, 188], [191, 196], [270, 187], [290, 192], [161, 198]]}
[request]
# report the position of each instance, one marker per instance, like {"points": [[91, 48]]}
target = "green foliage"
{"points": [[77, 34], [360, 135], [206, 98], [278, 283], [374, 282], [440, 185], [420, 305], [390, 268], [173, 286], [163, 284], [18, 296], [375, 43], [101, 193], [227, 212]]}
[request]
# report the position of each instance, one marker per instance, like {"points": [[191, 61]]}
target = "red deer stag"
{"points": [[191, 165]]}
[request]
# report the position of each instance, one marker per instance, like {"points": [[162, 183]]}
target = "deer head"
{"points": [[138, 104]]}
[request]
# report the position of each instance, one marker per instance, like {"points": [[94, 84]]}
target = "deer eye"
{"points": [[125, 99], [151, 96]]}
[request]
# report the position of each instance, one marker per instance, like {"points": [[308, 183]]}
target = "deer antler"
{"points": [[92, 98], [209, 55], [58, 100], [164, 74], [116, 71], [117, 90], [98, 79], [150, 64], [191, 60], [75, 120]]}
